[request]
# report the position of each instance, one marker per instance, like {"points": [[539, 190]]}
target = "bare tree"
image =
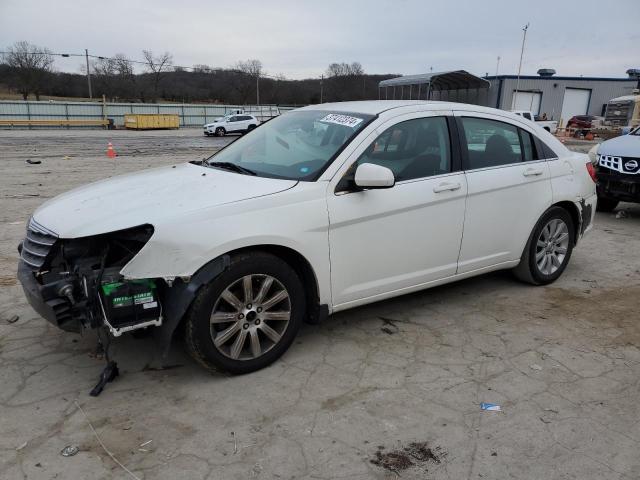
{"points": [[115, 76], [345, 81], [31, 66], [157, 65], [250, 67], [245, 80], [345, 70]]}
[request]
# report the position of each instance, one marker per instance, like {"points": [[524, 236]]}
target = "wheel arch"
{"points": [[298, 262], [576, 217], [179, 296]]}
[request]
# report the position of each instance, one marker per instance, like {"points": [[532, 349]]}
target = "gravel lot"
{"points": [[389, 389]]}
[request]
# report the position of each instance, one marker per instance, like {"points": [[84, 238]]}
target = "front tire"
{"points": [[549, 248], [220, 132], [606, 204], [248, 316]]}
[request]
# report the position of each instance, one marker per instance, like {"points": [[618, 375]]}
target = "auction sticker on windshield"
{"points": [[345, 120]]}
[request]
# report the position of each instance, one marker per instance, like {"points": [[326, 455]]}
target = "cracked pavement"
{"points": [[563, 361]]}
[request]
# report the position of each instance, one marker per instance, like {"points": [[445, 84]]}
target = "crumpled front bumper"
{"points": [[46, 301]]}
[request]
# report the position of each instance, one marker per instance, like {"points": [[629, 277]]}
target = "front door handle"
{"points": [[444, 187], [532, 172]]}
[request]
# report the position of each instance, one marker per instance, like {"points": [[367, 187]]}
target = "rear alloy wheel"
{"points": [[248, 316], [606, 204], [220, 132], [552, 246], [549, 248]]}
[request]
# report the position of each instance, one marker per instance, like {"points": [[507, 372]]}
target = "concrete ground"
{"points": [[350, 395]]}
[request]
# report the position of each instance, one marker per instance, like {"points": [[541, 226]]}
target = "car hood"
{"points": [[149, 196], [622, 146]]}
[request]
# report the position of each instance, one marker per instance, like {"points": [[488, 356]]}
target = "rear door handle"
{"points": [[444, 187], [532, 172]]}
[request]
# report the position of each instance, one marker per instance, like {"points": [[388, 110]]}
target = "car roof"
{"points": [[375, 107]]}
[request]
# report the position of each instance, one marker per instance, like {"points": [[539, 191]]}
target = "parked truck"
{"points": [[550, 126]]}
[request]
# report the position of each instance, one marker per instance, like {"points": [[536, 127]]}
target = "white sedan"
{"points": [[325, 208]]}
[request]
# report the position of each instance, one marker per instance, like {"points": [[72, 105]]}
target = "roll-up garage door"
{"points": [[528, 101], [576, 102]]}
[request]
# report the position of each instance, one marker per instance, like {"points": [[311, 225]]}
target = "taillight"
{"points": [[592, 171]]}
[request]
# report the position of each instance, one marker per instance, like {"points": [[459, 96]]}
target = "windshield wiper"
{"points": [[233, 167]]}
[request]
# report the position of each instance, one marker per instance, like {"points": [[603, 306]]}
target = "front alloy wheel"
{"points": [[250, 317], [246, 317]]}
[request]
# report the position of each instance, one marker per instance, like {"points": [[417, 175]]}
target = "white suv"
{"points": [[237, 123], [326, 208]]}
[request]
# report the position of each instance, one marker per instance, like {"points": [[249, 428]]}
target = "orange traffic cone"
{"points": [[111, 153]]}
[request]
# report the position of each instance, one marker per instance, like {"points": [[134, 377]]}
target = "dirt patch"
{"points": [[7, 281], [414, 454], [605, 306], [336, 403]]}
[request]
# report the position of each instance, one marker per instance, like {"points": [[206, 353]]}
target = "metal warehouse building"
{"points": [[560, 98]]}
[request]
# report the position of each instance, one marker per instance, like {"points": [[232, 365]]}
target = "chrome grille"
{"points": [[620, 164], [37, 245], [610, 162]]}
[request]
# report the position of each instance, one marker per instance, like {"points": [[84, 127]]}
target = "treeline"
{"points": [[28, 70]]}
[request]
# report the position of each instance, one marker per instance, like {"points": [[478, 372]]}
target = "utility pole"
{"points": [[524, 38], [86, 56], [321, 87], [258, 89], [497, 67]]}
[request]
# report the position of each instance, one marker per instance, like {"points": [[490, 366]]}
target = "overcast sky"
{"points": [[300, 38]]}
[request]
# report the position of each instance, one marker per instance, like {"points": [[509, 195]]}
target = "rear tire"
{"points": [[248, 316], [549, 248], [606, 204]]}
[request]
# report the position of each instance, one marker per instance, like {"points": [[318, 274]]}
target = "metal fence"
{"points": [[191, 115]]}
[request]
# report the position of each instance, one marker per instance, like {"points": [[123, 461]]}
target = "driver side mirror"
{"points": [[369, 175]]}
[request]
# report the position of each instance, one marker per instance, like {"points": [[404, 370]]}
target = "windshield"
{"points": [[295, 146]]}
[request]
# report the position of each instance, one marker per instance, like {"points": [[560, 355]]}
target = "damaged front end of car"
{"points": [[76, 283]]}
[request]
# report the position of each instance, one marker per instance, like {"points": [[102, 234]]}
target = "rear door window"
{"points": [[492, 143], [527, 146], [545, 151]]}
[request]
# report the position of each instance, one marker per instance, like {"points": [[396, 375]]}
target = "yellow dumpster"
{"points": [[151, 121]]}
